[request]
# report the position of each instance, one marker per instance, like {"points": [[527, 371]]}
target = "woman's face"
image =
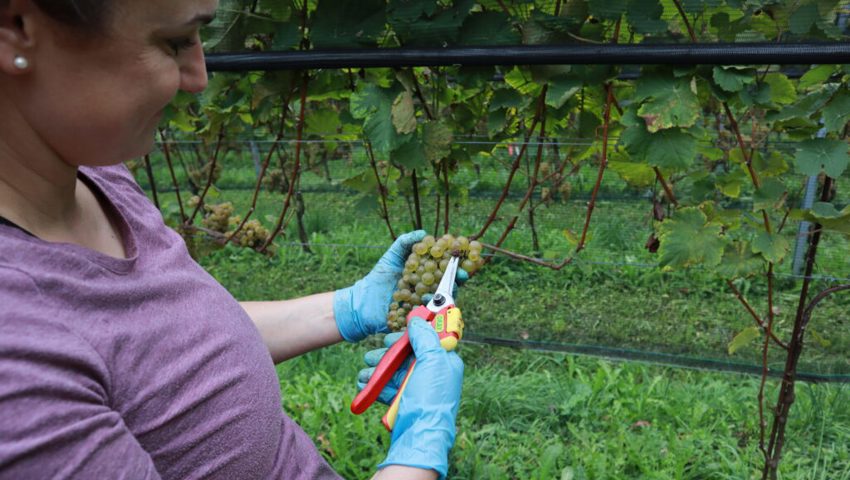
{"points": [[99, 102]]}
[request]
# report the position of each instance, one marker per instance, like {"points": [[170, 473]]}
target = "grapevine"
{"points": [[218, 217], [654, 132], [253, 234], [424, 269]]}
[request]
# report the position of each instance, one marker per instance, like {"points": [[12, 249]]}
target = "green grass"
{"points": [[534, 415], [540, 415], [529, 415]]}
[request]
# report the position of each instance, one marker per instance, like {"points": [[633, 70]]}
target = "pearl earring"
{"points": [[21, 63]]}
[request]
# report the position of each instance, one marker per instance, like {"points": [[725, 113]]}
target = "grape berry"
{"points": [[423, 270]]}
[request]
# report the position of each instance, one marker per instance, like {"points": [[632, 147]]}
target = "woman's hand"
{"points": [[372, 358], [424, 430], [361, 310]]}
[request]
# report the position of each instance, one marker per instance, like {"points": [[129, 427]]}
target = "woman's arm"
{"points": [[292, 327], [407, 473]]}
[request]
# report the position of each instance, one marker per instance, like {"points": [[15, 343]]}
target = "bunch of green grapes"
{"points": [[275, 181], [423, 270], [200, 176], [253, 234], [217, 217]]}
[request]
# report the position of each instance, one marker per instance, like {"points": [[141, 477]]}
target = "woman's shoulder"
{"points": [[115, 176]]}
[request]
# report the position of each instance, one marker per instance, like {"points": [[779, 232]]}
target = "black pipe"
{"points": [[648, 54]]}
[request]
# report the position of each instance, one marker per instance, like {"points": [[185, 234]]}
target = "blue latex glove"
{"points": [[361, 310], [424, 430]]}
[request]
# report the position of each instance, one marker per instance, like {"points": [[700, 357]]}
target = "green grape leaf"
{"points": [[733, 79], [437, 141], [829, 217], [671, 149], [410, 155], [645, 16], [803, 19], [543, 28], [343, 24], [505, 98], [756, 94], [323, 122], [700, 6], [287, 36], [375, 104], [805, 106], [739, 261], [427, 23], [772, 246], [521, 80], [670, 102], [380, 131], [560, 90], [366, 101], [609, 9], [403, 113], [816, 76], [730, 183], [782, 91], [366, 204], [821, 154], [836, 113], [479, 29], [769, 196], [770, 165], [588, 124], [635, 174], [688, 239], [362, 182], [743, 338], [496, 122]]}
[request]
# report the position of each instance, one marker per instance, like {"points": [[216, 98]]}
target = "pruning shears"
{"points": [[442, 314]]}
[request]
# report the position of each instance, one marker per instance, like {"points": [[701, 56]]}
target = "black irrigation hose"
{"points": [[652, 54], [655, 358]]}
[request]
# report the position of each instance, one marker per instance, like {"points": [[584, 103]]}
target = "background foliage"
{"points": [[725, 156]]}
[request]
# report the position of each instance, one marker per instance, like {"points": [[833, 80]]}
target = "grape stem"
{"points": [[296, 169], [213, 163], [532, 183], [515, 166], [265, 166], [382, 190], [167, 153]]}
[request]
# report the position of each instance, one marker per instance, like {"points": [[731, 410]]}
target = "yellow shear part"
{"points": [[454, 324]]}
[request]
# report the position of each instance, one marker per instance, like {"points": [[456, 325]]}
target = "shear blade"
{"points": [[443, 295]]}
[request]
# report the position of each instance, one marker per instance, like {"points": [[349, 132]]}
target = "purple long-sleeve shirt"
{"points": [[137, 368]]}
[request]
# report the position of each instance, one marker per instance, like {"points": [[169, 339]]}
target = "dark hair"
{"points": [[90, 15]]}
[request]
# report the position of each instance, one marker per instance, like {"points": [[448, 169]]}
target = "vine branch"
{"points": [[296, 169], [753, 313], [515, 166], [167, 152], [265, 166], [382, 191]]}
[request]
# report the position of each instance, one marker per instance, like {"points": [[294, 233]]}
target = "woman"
{"points": [[119, 356]]}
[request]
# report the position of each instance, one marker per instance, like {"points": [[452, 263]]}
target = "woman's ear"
{"points": [[18, 19]]}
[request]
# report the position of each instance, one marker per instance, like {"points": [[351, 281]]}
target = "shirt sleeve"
{"points": [[54, 401]]}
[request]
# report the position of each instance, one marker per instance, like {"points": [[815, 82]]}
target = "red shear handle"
{"points": [[389, 364], [449, 327]]}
